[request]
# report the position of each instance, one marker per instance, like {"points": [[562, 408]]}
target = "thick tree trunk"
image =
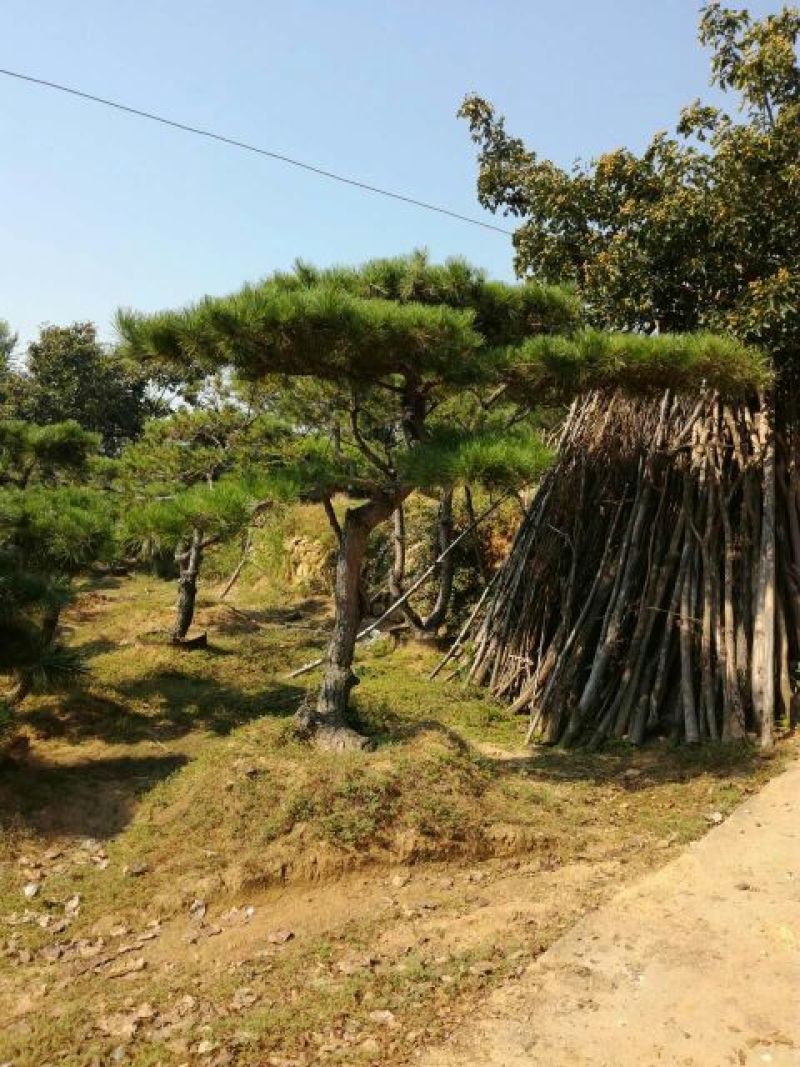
{"points": [[643, 592], [188, 560], [328, 722]]}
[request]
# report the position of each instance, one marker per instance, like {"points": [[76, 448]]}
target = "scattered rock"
{"points": [[31, 889], [197, 909], [135, 870], [715, 818], [73, 906], [123, 969], [186, 1004], [667, 841], [148, 935], [482, 969], [280, 937], [243, 998], [384, 1017], [206, 1047], [119, 1026]]}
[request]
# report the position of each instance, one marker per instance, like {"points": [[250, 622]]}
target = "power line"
{"points": [[253, 148]]}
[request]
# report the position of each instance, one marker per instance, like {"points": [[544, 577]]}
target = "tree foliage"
{"points": [[68, 375], [50, 530], [701, 230]]}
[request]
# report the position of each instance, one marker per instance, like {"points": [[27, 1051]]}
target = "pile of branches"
{"points": [[653, 586]]}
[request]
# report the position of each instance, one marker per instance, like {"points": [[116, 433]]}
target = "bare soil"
{"points": [[697, 964]]}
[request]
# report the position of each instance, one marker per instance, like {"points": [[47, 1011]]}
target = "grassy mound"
{"points": [[264, 808]]}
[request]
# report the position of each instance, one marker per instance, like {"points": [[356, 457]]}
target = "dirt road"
{"points": [[697, 964]]}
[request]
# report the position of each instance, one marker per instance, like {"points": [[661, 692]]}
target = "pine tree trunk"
{"points": [[427, 625], [328, 723], [188, 560]]}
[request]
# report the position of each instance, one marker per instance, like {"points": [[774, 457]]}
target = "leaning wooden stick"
{"points": [[455, 648], [411, 590]]}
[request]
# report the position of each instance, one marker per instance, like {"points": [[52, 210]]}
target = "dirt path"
{"points": [[697, 964]]}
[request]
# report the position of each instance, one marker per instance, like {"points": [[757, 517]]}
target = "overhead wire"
{"points": [[244, 145]]}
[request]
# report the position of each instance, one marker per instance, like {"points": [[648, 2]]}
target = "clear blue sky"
{"points": [[98, 209]]}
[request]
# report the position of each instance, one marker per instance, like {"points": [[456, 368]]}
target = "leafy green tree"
{"points": [[68, 374], [8, 342], [701, 230], [384, 345]]}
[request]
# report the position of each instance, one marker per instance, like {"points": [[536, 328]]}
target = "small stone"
{"points": [[481, 969], [400, 880], [667, 841], [130, 967], [384, 1017], [186, 1004], [135, 870], [715, 818], [197, 909], [31, 889], [243, 998], [205, 1048], [73, 905], [280, 937]]}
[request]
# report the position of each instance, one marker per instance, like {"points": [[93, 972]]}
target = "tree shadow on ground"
{"points": [[169, 705], [87, 798], [310, 615], [654, 764]]}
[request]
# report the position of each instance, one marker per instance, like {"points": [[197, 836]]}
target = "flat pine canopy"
{"points": [[426, 323]]}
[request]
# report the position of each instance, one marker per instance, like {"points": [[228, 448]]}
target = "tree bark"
{"points": [[764, 688], [188, 560], [426, 625], [328, 723]]}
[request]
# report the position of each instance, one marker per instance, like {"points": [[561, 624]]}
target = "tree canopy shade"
{"points": [[381, 354]]}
